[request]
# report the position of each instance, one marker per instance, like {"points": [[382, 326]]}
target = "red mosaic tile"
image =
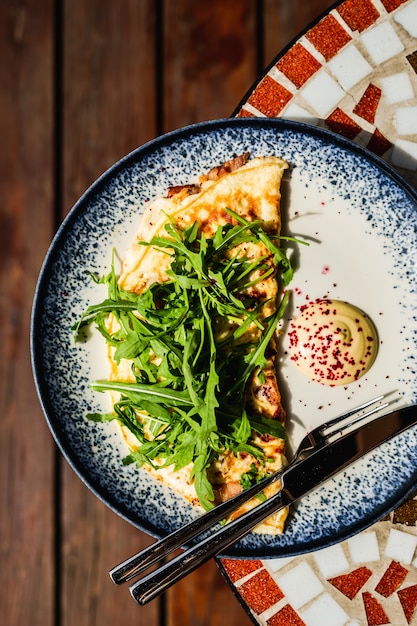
{"points": [[392, 579], [270, 97], [408, 601], [245, 113], [406, 513], [260, 592], [238, 568], [286, 617], [375, 614], [339, 122], [298, 65], [350, 584], [358, 15], [378, 144], [368, 104], [391, 5], [328, 37]]}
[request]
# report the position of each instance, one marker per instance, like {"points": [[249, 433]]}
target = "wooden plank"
{"points": [[210, 59], [109, 101], [283, 21], [109, 98], [26, 223]]}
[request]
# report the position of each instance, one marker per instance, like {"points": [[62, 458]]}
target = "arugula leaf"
{"points": [[138, 391]]}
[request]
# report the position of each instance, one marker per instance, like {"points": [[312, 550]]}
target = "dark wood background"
{"points": [[83, 82]]}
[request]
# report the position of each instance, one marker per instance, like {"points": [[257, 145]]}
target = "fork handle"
{"points": [[155, 583]]}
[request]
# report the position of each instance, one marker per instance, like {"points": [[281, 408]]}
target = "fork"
{"points": [[311, 442]]}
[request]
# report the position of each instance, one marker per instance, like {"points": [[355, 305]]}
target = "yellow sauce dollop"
{"points": [[333, 342]]}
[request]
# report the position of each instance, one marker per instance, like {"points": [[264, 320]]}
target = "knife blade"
{"points": [[297, 481]]}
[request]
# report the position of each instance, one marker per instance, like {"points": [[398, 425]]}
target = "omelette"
{"points": [[203, 283]]}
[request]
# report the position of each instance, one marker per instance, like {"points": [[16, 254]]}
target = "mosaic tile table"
{"points": [[355, 72]]}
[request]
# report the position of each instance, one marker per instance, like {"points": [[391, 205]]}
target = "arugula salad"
{"points": [[187, 404]]}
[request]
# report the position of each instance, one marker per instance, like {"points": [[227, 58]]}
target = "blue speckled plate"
{"points": [[361, 221]]}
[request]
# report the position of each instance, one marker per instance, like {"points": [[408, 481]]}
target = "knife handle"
{"points": [[155, 583]]}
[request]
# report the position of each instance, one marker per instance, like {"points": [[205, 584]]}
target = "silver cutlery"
{"points": [[313, 440], [321, 454]]}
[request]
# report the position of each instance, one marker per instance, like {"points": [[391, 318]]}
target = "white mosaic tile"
{"points": [[404, 154], [295, 112], [401, 546], [406, 120], [324, 612], [300, 585], [397, 88], [382, 42], [276, 564], [364, 547], [349, 67], [331, 561], [323, 93], [407, 18]]}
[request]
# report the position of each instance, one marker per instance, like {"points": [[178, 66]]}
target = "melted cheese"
{"points": [[252, 191]]}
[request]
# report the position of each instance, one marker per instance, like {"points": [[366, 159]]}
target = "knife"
{"points": [[297, 481]]}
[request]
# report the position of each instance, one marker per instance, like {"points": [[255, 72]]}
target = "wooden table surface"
{"points": [[83, 82]]}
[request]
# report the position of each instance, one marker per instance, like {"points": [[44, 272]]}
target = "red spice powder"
{"points": [[392, 579], [350, 584], [286, 617], [358, 15], [328, 37], [408, 600], [270, 97], [260, 592], [298, 65], [320, 347], [368, 104], [339, 122], [238, 568], [375, 614]]}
